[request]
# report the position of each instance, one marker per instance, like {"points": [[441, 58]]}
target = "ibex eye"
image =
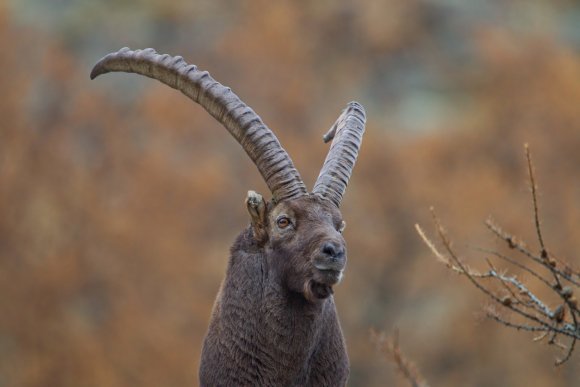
{"points": [[283, 222]]}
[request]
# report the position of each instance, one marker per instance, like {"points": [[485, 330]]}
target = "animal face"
{"points": [[304, 243]]}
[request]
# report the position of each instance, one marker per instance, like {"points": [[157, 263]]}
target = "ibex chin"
{"points": [[274, 321]]}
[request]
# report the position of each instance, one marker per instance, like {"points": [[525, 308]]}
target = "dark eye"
{"points": [[283, 222]]}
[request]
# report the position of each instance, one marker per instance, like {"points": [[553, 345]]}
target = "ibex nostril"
{"points": [[332, 250]]}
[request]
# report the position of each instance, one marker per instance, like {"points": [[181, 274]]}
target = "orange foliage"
{"points": [[119, 198]]}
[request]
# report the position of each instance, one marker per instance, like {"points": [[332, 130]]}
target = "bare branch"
{"points": [[531, 312], [517, 264], [514, 243]]}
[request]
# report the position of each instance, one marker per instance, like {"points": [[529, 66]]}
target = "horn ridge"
{"points": [[223, 104], [346, 135]]}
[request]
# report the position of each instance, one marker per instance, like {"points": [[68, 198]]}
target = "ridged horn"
{"points": [[241, 121], [346, 135]]}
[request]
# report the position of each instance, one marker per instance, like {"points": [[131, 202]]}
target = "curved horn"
{"points": [[241, 121], [346, 134]]}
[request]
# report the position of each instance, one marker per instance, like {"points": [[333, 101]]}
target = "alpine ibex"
{"points": [[274, 322]]}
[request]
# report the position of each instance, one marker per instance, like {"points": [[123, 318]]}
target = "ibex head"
{"points": [[304, 233], [299, 231], [302, 242]]}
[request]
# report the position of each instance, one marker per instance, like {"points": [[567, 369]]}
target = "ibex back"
{"points": [[274, 320]]}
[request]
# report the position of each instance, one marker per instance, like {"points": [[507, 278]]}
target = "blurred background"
{"points": [[119, 198]]}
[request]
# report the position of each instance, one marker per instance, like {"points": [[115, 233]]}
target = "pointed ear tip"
{"points": [[255, 201], [253, 195]]}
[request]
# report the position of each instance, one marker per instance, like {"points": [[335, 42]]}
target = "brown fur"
{"points": [[274, 321]]}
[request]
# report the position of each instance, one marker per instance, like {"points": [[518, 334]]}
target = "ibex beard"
{"points": [[274, 320]]}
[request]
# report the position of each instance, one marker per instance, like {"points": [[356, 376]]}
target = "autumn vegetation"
{"points": [[118, 198]]}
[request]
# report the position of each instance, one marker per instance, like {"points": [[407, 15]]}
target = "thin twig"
{"points": [[559, 362], [390, 347], [513, 243], [550, 264], [544, 253], [517, 264]]}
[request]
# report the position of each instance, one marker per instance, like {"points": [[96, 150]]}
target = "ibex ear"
{"points": [[257, 209]]}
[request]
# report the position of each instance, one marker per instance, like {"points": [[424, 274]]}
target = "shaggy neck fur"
{"points": [[263, 334]]}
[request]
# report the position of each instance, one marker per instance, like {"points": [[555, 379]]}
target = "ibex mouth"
{"points": [[328, 272], [329, 266], [329, 276]]}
